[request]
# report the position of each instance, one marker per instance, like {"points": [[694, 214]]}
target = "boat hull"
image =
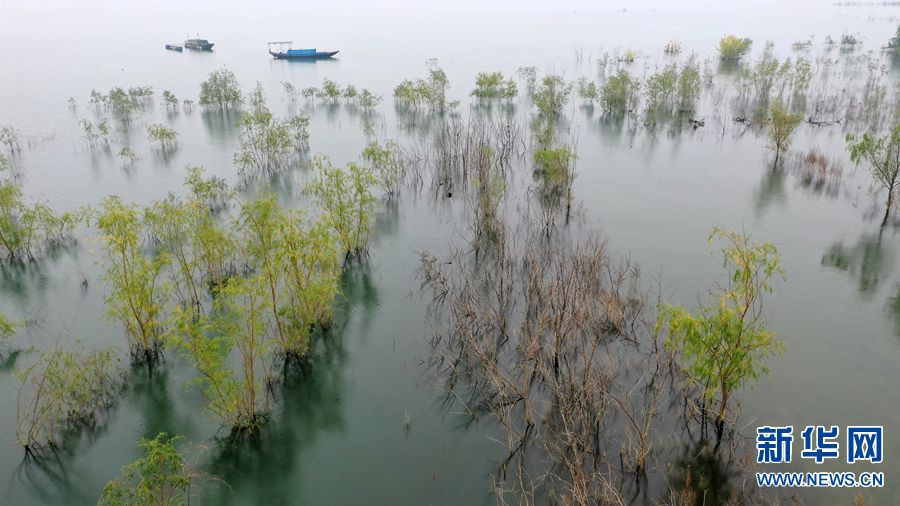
{"points": [[172, 47], [199, 47], [318, 55]]}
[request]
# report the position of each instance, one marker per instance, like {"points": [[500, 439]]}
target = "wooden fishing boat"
{"points": [[281, 51], [174, 47], [199, 44]]}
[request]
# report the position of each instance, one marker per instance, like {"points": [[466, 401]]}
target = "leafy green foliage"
{"points": [[551, 95], [267, 142], [386, 161], [221, 91], [138, 293], [165, 136], [489, 85], [661, 87], [346, 197], [64, 391], [170, 100], [782, 124], [159, 478], [732, 47], [431, 92], [688, 87], [619, 93], [237, 323], [883, 156], [724, 344], [95, 133], [588, 90], [26, 230], [332, 93]]}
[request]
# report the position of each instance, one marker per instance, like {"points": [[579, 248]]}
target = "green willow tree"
{"points": [[724, 344], [165, 136], [883, 156], [158, 478], [221, 91], [346, 197], [236, 325], [297, 265], [386, 161], [138, 292], [782, 124]]}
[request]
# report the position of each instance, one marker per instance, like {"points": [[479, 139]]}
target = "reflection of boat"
{"points": [[174, 47], [282, 51], [201, 44]]}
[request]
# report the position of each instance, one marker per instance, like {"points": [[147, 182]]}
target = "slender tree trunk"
{"points": [[887, 211]]}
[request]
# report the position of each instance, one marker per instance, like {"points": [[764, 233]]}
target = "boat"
{"points": [[174, 47], [281, 51], [199, 44]]}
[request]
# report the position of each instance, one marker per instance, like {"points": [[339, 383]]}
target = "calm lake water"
{"points": [[339, 437]]}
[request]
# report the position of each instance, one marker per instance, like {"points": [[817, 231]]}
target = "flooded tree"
{"points": [[724, 344], [158, 478], [588, 90], [27, 230], [9, 139], [346, 197], [170, 100], [138, 292], [267, 142], [165, 136], [619, 93], [431, 92], [64, 391], [883, 156], [386, 161], [95, 133], [237, 323], [732, 47], [551, 95], [490, 85], [221, 91], [128, 156], [782, 124]]}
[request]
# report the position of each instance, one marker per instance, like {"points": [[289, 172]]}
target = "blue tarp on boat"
{"points": [[300, 52]]}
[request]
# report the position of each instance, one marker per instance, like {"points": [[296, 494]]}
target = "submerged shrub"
{"points": [[65, 390], [26, 230], [492, 85], [551, 95], [688, 88], [9, 139], [221, 91], [588, 90], [618, 93], [95, 133], [138, 293], [894, 42], [268, 143], [237, 323], [732, 47], [660, 88], [159, 478], [431, 92], [170, 100], [165, 136], [346, 197], [529, 75], [672, 47], [386, 162]]}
